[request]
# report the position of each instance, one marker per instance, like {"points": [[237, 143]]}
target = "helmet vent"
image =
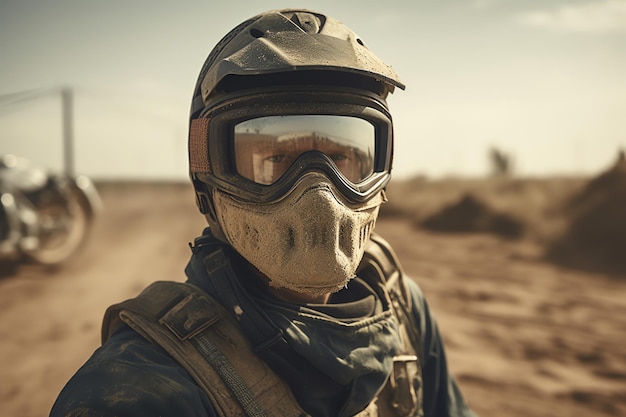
{"points": [[256, 33], [308, 22], [221, 45]]}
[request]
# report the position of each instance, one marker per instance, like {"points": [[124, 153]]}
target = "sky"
{"points": [[543, 81]]}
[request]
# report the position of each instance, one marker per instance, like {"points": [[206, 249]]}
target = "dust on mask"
{"points": [[309, 242]]}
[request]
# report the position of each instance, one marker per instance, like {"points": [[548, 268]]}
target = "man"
{"points": [[292, 306]]}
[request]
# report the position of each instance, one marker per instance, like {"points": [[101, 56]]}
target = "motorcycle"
{"points": [[45, 218]]}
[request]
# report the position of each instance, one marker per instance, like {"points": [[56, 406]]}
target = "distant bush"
{"points": [[501, 163]]}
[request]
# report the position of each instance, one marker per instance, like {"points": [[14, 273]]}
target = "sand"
{"points": [[524, 337]]}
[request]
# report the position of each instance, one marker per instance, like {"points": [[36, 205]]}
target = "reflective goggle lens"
{"points": [[265, 147]]}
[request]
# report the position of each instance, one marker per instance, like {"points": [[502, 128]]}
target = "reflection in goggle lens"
{"points": [[266, 147]]}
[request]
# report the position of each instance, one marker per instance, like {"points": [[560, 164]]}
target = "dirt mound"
{"points": [[595, 237], [470, 215]]}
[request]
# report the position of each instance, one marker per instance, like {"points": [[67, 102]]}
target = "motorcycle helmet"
{"points": [[285, 93]]}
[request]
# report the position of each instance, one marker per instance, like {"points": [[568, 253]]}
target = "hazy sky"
{"points": [[543, 80]]}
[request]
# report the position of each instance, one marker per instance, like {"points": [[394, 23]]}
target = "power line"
{"points": [[11, 98], [12, 101]]}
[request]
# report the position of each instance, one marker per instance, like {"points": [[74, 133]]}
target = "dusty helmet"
{"points": [[284, 93]]}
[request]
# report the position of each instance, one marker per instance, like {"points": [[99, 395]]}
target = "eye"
{"points": [[276, 158], [339, 157]]}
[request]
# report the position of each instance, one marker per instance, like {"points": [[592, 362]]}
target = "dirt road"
{"points": [[524, 337]]}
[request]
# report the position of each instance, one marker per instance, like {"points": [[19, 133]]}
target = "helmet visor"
{"points": [[266, 147]]}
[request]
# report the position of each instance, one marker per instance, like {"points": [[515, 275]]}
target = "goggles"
{"points": [[266, 147], [258, 150]]}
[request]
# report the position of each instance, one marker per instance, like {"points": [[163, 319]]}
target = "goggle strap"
{"points": [[199, 146]]}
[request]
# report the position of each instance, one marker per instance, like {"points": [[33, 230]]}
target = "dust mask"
{"points": [[311, 241]]}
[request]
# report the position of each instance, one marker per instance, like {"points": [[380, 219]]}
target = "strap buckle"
{"points": [[190, 316], [405, 383]]}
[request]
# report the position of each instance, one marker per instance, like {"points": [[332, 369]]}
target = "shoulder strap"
{"points": [[198, 333], [382, 261], [403, 393]]}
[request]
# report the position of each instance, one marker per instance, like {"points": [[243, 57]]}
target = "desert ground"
{"points": [[524, 336]]}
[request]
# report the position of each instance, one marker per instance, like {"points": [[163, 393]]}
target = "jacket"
{"points": [[335, 357]]}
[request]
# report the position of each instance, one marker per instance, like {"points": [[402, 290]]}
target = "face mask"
{"points": [[309, 242]]}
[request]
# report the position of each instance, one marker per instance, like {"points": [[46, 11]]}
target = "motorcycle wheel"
{"points": [[63, 230]]}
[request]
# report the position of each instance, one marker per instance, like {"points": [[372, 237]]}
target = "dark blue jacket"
{"points": [[129, 376]]}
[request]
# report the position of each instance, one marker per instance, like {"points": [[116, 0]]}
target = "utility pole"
{"points": [[67, 98]]}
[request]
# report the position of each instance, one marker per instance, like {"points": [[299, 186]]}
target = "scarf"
{"points": [[335, 357]]}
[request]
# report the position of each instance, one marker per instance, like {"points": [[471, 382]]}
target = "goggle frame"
{"points": [[221, 117]]}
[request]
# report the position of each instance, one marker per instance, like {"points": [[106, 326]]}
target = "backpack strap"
{"points": [[200, 335], [403, 393]]}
